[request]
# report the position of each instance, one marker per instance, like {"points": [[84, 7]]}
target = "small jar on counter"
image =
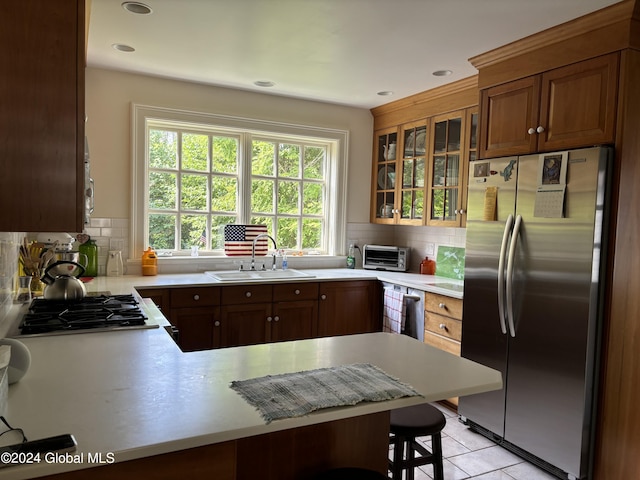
{"points": [[149, 262], [427, 267]]}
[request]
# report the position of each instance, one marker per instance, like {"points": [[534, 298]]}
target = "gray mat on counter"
{"points": [[297, 394]]}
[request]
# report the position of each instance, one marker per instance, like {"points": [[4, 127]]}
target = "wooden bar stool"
{"points": [[351, 474], [406, 425]]}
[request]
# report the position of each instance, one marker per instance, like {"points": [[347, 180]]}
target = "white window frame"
{"points": [[336, 168]]}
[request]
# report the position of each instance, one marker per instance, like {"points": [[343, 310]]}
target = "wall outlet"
{"points": [[430, 249]]}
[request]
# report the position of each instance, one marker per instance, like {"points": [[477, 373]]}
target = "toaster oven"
{"points": [[385, 257]]}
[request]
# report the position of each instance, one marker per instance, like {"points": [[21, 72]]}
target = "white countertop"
{"points": [[427, 283], [135, 394]]}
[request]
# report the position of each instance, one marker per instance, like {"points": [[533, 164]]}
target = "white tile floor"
{"points": [[470, 455]]}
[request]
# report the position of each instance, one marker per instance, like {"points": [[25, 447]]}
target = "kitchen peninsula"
{"points": [[162, 412]]}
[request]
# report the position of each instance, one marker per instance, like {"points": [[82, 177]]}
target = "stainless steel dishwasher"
{"points": [[414, 308]]}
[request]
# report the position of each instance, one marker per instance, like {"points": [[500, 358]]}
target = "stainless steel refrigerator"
{"points": [[535, 251]]}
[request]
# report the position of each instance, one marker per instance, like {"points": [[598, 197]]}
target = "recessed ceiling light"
{"points": [[385, 93], [121, 47], [137, 8], [264, 83], [442, 73]]}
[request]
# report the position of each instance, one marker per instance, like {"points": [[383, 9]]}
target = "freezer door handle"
{"points": [[509, 286], [501, 261]]}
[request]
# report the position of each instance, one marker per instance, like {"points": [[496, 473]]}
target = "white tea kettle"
{"points": [[64, 286]]}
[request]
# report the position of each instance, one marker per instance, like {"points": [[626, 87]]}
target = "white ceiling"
{"points": [[337, 51]]}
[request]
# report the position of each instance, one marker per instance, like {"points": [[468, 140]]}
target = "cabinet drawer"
{"points": [[443, 305], [442, 343], [194, 297], [239, 294], [445, 326], [295, 291]]}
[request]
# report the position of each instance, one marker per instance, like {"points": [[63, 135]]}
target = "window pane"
{"points": [[440, 141], [407, 197], [418, 204], [419, 176], [287, 233], [195, 150], [262, 196], [438, 170], [407, 173], [193, 231], [314, 158], [289, 161], [194, 192], [262, 159], [224, 154], [224, 194], [451, 203], [162, 231], [312, 198], [311, 233], [288, 197], [217, 229], [453, 143], [437, 204], [453, 170], [162, 190], [163, 149], [268, 221]]}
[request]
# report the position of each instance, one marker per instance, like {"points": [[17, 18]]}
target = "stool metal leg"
{"points": [[436, 450], [398, 456]]}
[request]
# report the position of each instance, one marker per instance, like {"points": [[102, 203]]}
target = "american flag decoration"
{"points": [[238, 240]]}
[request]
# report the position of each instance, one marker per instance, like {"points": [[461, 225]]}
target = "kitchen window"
{"points": [[195, 173]]}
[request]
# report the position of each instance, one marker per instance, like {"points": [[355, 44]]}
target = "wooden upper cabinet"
{"points": [[507, 112], [452, 146], [385, 153], [42, 116], [578, 104], [568, 107]]}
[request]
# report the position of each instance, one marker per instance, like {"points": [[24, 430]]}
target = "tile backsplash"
{"points": [[9, 242], [109, 234]]}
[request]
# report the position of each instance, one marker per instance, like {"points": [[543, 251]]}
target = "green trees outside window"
{"points": [[195, 187]]}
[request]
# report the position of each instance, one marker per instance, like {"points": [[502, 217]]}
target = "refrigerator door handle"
{"points": [[501, 261], [509, 286]]}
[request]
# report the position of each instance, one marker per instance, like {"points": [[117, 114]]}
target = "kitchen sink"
{"points": [[257, 275]]}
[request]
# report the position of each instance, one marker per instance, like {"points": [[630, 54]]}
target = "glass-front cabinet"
{"points": [[412, 168], [384, 192], [453, 144], [399, 174]]}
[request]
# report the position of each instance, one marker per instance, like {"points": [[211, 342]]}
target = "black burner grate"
{"points": [[101, 311]]}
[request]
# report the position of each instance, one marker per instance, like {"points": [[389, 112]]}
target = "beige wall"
{"points": [[109, 95]]}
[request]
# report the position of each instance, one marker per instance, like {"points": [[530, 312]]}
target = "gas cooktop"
{"points": [[92, 313]]}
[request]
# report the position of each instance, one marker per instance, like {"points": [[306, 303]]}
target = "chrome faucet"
{"points": [[253, 251]]}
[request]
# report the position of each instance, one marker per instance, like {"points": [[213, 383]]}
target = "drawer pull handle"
{"points": [[269, 319], [297, 292], [276, 318], [216, 323], [323, 297], [196, 297], [443, 327], [248, 294], [442, 305]]}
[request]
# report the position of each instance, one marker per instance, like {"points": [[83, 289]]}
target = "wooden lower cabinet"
{"points": [[195, 311], [443, 325], [349, 307], [293, 454], [236, 315], [246, 324]]}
